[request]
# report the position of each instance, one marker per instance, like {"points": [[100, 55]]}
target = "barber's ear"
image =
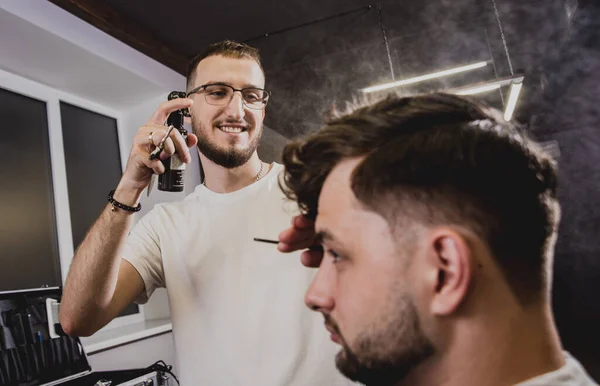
{"points": [[452, 259]]}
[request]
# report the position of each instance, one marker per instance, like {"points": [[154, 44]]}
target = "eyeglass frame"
{"points": [[265, 100]]}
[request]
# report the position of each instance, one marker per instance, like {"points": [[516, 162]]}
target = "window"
{"points": [[93, 163], [29, 252], [52, 183]]}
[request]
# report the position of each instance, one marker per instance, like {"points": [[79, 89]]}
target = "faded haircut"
{"points": [[226, 48], [441, 159]]}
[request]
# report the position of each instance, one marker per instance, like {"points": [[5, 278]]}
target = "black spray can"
{"points": [[172, 179]]}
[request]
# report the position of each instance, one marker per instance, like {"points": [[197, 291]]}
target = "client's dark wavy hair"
{"points": [[441, 159]]}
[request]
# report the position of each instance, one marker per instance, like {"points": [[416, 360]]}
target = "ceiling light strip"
{"points": [[478, 89], [422, 78], [515, 90]]}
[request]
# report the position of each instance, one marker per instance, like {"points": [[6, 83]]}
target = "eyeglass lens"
{"points": [[221, 95]]}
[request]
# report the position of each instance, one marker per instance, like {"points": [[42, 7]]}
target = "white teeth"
{"points": [[229, 129]]}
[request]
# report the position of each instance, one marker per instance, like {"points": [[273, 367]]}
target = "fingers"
{"points": [[287, 247], [178, 145], [168, 148], [292, 240], [150, 136], [140, 167], [301, 235], [192, 140], [156, 165], [303, 222], [312, 258], [160, 115]]}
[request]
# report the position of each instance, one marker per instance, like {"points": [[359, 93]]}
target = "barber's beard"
{"points": [[387, 352], [229, 157]]}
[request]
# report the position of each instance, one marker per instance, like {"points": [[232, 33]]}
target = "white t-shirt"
{"points": [[236, 304], [571, 374]]}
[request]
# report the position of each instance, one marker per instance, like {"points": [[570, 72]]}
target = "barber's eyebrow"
{"points": [[247, 85], [217, 82]]}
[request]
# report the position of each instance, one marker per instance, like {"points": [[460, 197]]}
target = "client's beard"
{"points": [[387, 353]]}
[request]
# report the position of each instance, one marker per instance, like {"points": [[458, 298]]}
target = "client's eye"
{"points": [[336, 256]]}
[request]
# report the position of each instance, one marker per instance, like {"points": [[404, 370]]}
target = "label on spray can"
{"points": [[176, 163]]}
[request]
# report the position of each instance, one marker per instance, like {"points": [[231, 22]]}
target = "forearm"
{"points": [[92, 279]]}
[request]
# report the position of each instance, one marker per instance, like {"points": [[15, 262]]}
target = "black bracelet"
{"points": [[117, 204]]}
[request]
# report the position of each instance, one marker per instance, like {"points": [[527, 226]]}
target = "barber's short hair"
{"points": [[226, 48], [441, 159]]}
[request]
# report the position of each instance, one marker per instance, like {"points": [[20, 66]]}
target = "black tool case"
{"points": [[35, 351]]}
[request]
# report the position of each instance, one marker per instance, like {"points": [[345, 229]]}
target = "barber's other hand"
{"points": [[301, 235], [140, 168]]}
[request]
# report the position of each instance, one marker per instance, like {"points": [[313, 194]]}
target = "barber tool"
{"points": [[266, 241], [38, 313], [64, 347], [7, 366], [3, 340], [52, 306], [4, 376], [49, 354], [75, 353], [161, 145], [22, 329], [26, 361], [33, 359], [42, 352], [17, 366], [28, 327], [316, 247], [21, 324], [172, 180], [16, 328], [57, 351]]}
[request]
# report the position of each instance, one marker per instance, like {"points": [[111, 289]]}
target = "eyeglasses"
{"points": [[222, 94]]}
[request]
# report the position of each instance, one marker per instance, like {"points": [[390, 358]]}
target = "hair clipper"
{"points": [[172, 180]]}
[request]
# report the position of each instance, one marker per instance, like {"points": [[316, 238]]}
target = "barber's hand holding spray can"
{"points": [[150, 137]]}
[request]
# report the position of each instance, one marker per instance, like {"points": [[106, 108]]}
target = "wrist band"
{"points": [[117, 204]]}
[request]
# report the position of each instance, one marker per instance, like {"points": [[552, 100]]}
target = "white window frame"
{"points": [[52, 97]]}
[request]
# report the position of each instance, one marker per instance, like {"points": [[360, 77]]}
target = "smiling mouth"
{"points": [[232, 129]]}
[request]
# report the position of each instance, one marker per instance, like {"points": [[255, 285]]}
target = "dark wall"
{"points": [[554, 43], [312, 67], [567, 111]]}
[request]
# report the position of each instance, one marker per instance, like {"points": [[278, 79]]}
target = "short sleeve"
{"points": [[142, 250]]}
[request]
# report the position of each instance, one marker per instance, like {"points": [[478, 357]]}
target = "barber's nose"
{"points": [[319, 296], [235, 108]]}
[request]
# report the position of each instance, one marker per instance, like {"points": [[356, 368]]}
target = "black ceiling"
{"points": [[329, 50], [190, 26]]}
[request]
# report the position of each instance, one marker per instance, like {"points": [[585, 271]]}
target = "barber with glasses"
{"points": [[236, 304], [221, 94]]}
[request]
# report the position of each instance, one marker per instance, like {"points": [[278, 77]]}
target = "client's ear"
{"points": [[451, 258]]}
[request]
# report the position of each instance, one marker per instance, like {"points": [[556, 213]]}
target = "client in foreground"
{"points": [[438, 221]]}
